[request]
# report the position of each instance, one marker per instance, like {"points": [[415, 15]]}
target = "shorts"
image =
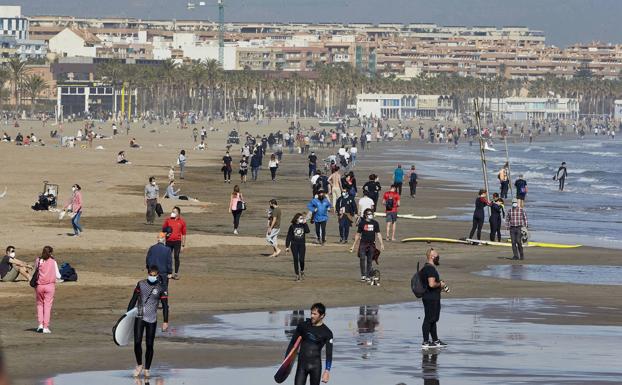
{"points": [[11, 275], [271, 238], [391, 217]]}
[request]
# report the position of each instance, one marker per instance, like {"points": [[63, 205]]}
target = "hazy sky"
{"points": [[563, 21]]}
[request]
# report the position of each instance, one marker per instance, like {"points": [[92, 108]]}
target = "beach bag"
{"points": [[418, 287], [68, 273], [34, 280]]}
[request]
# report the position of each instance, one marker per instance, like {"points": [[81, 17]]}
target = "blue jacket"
{"points": [[160, 255], [398, 175], [320, 207]]}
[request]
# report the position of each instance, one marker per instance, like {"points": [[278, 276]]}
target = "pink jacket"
{"points": [[76, 201], [48, 271]]}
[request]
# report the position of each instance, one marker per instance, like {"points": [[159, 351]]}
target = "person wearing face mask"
{"points": [[296, 238], [347, 211], [11, 268], [152, 194], [515, 220], [318, 212], [367, 233], [274, 227], [45, 288], [147, 295], [75, 206], [226, 167], [175, 227], [431, 300]]}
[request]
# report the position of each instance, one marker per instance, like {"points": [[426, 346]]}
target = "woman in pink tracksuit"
{"points": [[46, 286], [75, 205]]}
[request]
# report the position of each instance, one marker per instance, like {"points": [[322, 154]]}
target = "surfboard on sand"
{"points": [[123, 330], [409, 216], [432, 239], [288, 363]]}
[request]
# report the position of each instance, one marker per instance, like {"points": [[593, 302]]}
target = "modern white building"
{"points": [[12, 23], [519, 108], [617, 109], [402, 106]]}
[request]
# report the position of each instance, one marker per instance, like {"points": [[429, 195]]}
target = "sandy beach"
{"points": [[221, 272]]}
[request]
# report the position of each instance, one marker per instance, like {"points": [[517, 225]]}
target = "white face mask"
{"points": [[173, 215], [12, 254], [370, 217], [152, 279], [73, 189], [153, 183], [301, 220], [514, 204]]}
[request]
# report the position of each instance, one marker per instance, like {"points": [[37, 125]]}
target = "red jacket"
{"points": [[178, 228]]}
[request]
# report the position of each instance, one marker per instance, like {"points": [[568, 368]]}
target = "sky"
{"points": [[564, 21]]}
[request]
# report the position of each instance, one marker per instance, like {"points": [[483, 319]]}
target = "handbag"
{"points": [[158, 209], [241, 205], [34, 280]]}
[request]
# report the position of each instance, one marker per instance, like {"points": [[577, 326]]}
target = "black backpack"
{"points": [[389, 206], [68, 273], [418, 287]]}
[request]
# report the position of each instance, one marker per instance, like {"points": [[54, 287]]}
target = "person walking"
{"points": [[314, 335], [75, 206], [561, 174], [515, 220], [274, 227], [312, 164], [46, 271], [160, 255], [296, 242], [504, 180], [334, 182], [521, 190], [152, 194], [318, 212], [226, 167], [372, 189], [431, 300], [367, 232], [236, 207], [478, 215], [391, 202], [181, 162], [273, 165], [398, 178], [497, 213], [175, 228], [347, 211], [147, 295], [412, 181], [255, 164], [243, 169]]}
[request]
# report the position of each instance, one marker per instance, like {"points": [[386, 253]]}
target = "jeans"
{"points": [[254, 172], [151, 206], [182, 165], [320, 231], [75, 222], [236, 218], [312, 168], [432, 308], [227, 173], [366, 254], [344, 228], [273, 172], [517, 241]]}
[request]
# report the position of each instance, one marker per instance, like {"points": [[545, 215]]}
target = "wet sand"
{"points": [[221, 272]]}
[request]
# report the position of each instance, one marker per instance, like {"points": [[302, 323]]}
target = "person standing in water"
{"points": [[431, 300], [296, 241], [398, 178], [147, 295], [504, 180], [412, 181], [561, 174], [315, 336], [478, 214], [521, 190]]}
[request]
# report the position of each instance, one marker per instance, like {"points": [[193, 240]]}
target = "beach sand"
{"points": [[221, 272]]}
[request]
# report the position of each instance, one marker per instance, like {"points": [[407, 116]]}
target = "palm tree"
{"points": [[17, 71], [34, 85]]}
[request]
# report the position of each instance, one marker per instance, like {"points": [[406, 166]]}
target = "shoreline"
{"points": [[233, 275]]}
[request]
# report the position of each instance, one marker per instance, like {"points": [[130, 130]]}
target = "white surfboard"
{"points": [[408, 216], [123, 330]]}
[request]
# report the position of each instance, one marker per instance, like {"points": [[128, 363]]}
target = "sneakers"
{"points": [[302, 275], [427, 345], [298, 279], [363, 278], [235, 231], [40, 329], [176, 276], [440, 343], [46, 331]]}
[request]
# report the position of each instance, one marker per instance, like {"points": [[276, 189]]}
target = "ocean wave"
{"points": [[587, 180]]}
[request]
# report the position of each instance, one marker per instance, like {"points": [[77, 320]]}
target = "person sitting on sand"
{"points": [[19, 139], [121, 158], [12, 268], [6, 137], [171, 193], [44, 202], [133, 143]]}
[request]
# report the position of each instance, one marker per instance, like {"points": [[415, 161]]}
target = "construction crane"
{"points": [[221, 26]]}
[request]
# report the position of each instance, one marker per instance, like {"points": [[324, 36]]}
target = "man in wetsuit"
{"points": [[315, 335], [561, 174]]}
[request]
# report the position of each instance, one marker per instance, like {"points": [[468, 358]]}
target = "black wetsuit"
{"points": [[497, 213], [478, 217], [147, 296], [314, 338]]}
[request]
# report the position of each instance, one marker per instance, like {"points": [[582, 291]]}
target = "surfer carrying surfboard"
{"points": [[147, 295], [315, 336]]}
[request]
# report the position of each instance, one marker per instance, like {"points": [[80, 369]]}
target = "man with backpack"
{"points": [[391, 202], [431, 297], [521, 190]]}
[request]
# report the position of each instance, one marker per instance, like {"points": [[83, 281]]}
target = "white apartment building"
{"points": [[617, 110], [12, 23], [402, 106], [520, 108], [72, 42]]}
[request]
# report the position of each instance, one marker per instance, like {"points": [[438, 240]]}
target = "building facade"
{"points": [[519, 108], [617, 110], [12, 23], [402, 106]]}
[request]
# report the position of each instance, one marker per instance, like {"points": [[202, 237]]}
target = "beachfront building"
{"points": [[12, 23], [617, 111], [14, 37], [74, 42], [81, 98], [520, 108], [403, 106]]}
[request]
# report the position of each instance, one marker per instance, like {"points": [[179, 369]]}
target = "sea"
{"points": [[587, 212]]}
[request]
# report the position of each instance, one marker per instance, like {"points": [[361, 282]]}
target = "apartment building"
{"points": [[403, 106], [522, 108]]}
